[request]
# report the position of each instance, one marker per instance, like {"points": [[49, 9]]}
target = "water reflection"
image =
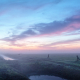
{"points": [[6, 58], [45, 77]]}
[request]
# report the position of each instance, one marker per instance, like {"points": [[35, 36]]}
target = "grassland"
{"points": [[25, 65]]}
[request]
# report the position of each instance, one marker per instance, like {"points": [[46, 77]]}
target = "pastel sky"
{"points": [[44, 26]]}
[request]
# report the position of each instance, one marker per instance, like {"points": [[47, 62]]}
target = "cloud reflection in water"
{"points": [[6, 58]]}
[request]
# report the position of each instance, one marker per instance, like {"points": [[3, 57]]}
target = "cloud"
{"points": [[58, 27], [12, 39], [25, 4], [62, 45], [43, 4], [53, 28], [63, 42], [24, 34], [3, 12]]}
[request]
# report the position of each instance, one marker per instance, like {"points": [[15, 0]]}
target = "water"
{"points": [[45, 77], [6, 57]]}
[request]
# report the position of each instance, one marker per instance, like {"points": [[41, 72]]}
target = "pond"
{"points": [[45, 77]]}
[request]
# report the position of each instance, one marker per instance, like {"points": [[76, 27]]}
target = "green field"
{"points": [[26, 65]]}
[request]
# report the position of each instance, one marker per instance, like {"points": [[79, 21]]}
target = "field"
{"points": [[26, 65]]}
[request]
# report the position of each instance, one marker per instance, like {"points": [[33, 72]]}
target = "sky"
{"points": [[40, 26]]}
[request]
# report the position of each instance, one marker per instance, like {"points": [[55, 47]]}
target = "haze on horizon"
{"points": [[40, 26]]}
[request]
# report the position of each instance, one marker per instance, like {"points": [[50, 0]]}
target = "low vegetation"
{"points": [[23, 68]]}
